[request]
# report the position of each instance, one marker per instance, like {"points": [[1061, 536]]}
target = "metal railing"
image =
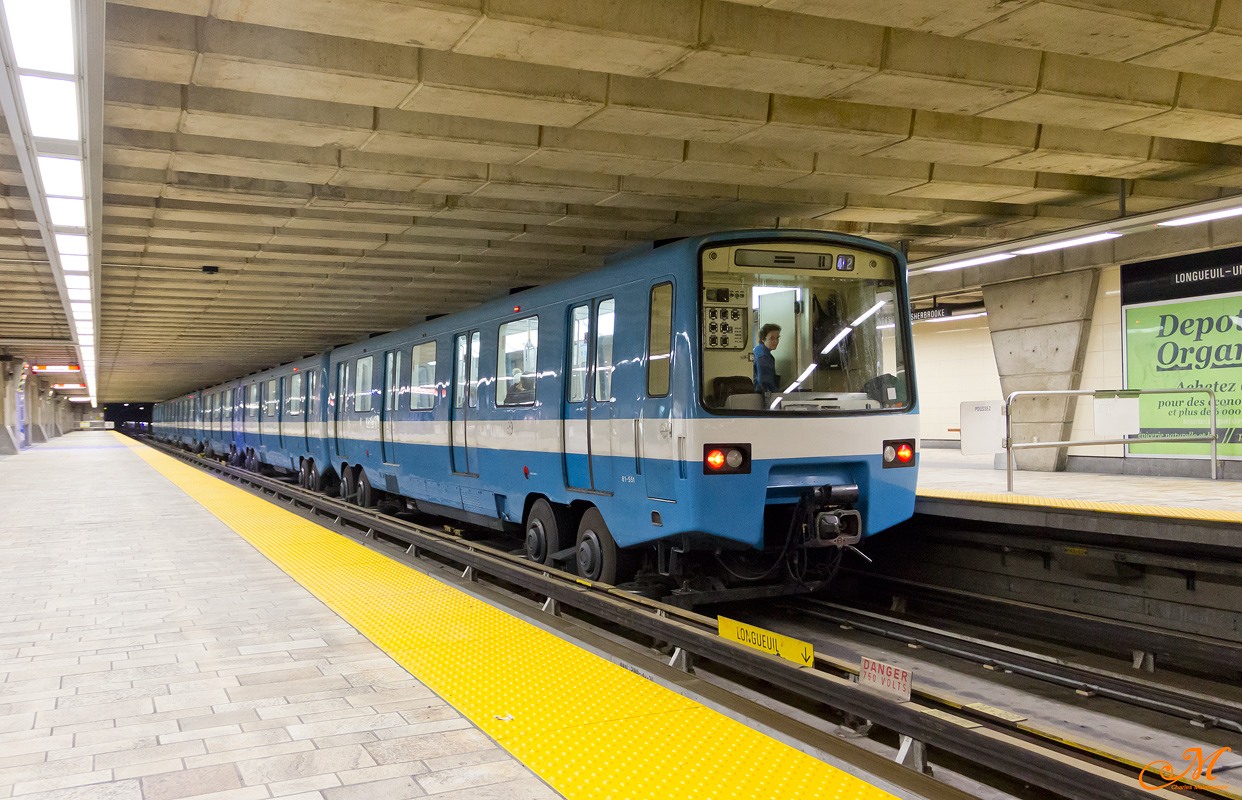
{"points": [[1118, 393]]}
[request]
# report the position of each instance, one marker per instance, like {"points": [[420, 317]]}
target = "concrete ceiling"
{"points": [[354, 165]]}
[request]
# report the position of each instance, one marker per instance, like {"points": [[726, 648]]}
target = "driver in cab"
{"points": [[766, 378]]}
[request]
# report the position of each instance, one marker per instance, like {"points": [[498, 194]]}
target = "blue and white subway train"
{"points": [[618, 418]]}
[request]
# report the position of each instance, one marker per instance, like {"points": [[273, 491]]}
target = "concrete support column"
{"points": [[1039, 334], [8, 409]]}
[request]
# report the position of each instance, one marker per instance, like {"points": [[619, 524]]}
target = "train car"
{"points": [[280, 418], [630, 418]]}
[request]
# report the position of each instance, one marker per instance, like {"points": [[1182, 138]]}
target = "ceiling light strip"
{"points": [[1084, 234]]}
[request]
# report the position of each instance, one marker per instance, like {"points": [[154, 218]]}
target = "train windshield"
{"points": [[799, 328]]}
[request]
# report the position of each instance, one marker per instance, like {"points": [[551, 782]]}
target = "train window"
{"points": [[252, 401], [312, 393], [227, 408], [660, 340], [423, 376], [605, 319], [285, 409], [802, 328], [474, 370], [362, 384], [579, 352], [271, 402], [295, 394], [215, 411], [459, 374], [392, 379], [517, 346]]}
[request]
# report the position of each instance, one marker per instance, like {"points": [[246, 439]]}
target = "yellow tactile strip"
{"points": [[1174, 512], [588, 727]]}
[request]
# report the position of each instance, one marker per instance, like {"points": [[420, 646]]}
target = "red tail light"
{"points": [[904, 453], [715, 459]]}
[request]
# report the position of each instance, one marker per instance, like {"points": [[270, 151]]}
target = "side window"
{"points": [[270, 406], [215, 411], [459, 374], [474, 370], [252, 404], [579, 354], [362, 384], [605, 319], [295, 394], [423, 376], [312, 392], [517, 346], [228, 405], [660, 340]]}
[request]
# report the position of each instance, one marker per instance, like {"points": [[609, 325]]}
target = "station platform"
{"points": [[165, 634], [1191, 510]]}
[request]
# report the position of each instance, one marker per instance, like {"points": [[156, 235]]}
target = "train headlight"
{"points": [[899, 453], [726, 459]]}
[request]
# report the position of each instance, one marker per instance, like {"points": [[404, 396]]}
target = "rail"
{"points": [[1010, 446]]}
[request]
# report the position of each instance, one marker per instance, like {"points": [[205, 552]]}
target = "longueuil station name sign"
{"points": [[1183, 329]]}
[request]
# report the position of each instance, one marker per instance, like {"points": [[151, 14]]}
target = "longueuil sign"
{"points": [[1183, 329]]}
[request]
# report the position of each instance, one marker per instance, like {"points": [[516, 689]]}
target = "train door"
{"points": [[465, 402], [297, 410], [392, 392], [338, 407], [282, 410], [588, 403], [655, 436]]}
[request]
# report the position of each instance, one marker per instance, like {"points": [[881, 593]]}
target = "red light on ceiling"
{"points": [[516, 309], [54, 368], [904, 453], [715, 459]]}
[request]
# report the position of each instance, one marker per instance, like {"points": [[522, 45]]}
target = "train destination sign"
{"points": [[886, 679], [775, 644]]}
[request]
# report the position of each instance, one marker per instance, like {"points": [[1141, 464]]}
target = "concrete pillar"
{"points": [[1039, 334], [8, 409]]}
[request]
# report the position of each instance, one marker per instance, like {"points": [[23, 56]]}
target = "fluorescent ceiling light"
{"points": [[84, 327], [953, 318], [970, 262], [86, 341], [51, 107], [67, 212], [836, 340], [71, 244], [81, 310], [80, 294], [62, 177], [88, 355], [79, 400], [74, 263], [42, 34], [1043, 248], [78, 281], [868, 313], [1229, 212]]}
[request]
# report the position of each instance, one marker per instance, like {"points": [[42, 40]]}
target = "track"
{"points": [[1184, 703], [978, 736]]}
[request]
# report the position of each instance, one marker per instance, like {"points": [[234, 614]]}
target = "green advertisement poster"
{"points": [[1187, 344]]}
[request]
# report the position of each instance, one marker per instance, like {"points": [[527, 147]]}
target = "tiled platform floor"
{"points": [[147, 652], [950, 470]]}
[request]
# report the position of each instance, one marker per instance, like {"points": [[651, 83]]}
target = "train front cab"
{"points": [[829, 448]]}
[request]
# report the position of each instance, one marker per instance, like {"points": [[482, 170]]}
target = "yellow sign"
{"points": [[786, 647]]}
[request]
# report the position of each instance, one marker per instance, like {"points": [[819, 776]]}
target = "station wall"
{"points": [[1103, 367], [955, 364]]}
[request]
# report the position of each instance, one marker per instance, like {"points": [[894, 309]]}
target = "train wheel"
{"points": [[365, 496], [349, 487], [598, 557], [312, 477], [304, 474], [546, 532]]}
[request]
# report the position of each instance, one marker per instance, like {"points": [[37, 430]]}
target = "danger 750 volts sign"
{"points": [[886, 679]]}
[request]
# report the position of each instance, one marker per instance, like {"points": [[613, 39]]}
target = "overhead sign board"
{"points": [[775, 644], [886, 679], [928, 313]]}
